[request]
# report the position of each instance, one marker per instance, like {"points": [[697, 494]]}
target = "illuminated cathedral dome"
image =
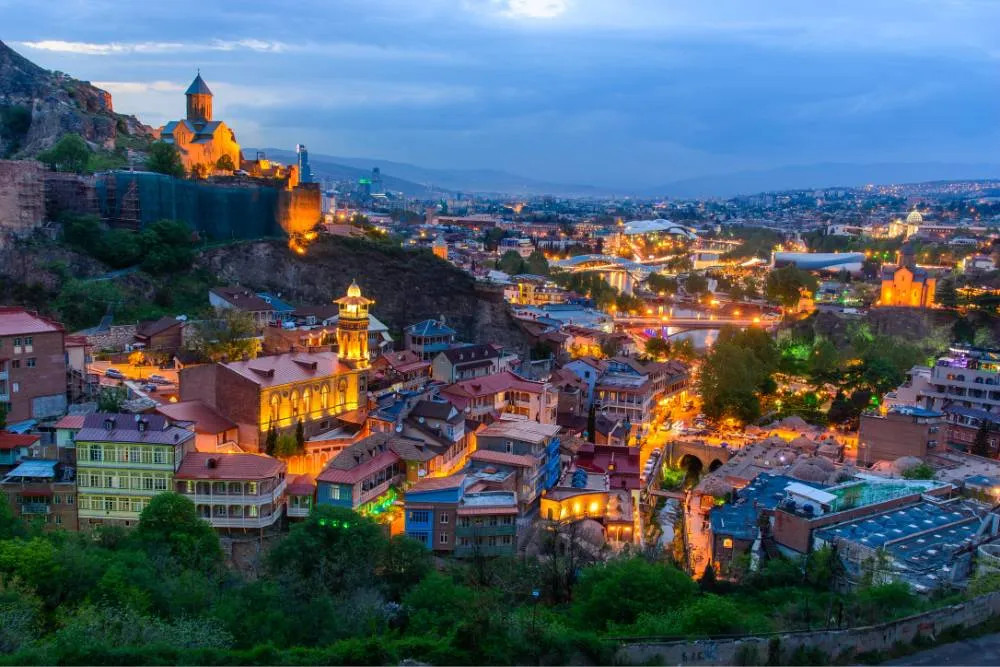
{"points": [[914, 218]]}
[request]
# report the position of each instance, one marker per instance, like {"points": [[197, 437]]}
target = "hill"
{"points": [[408, 286], [38, 106]]}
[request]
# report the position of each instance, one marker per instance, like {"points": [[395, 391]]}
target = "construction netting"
{"points": [[219, 212]]}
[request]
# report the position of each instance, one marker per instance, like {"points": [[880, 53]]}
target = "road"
{"points": [[983, 650]]}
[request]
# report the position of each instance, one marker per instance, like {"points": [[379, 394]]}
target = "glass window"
{"points": [[160, 483], [96, 453], [147, 483], [69, 500], [444, 518], [443, 538], [159, 456], [30, 362]]}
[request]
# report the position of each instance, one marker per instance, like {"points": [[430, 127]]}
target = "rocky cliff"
{"points": [[38, 106], [407, 286]]}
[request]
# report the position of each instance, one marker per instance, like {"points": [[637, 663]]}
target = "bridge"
{"points": [[582, 263], [692, 323], [704, 456]]}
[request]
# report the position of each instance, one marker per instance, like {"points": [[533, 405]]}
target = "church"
{"points": [[203, 144], [905, 284]]}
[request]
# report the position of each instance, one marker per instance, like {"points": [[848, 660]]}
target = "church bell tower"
{"points": [[352, 327], [199, 101]]}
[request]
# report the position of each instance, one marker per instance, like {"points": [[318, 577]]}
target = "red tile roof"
{"points": [[300, 485], [14, 440], [287, 368], [71, 421], [437, 483], [359, 472], [487, 510], [204, 417], [196, 465], [14, 321], [242, 299], [493, 384], [402, 361], [489, 456]]}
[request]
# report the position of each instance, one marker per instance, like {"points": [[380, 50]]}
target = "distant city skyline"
{"points": [[614, 94]]}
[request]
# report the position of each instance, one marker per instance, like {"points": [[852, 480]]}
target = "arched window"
{"points": [[306, 404], [275, 401], [295, 404], [324, 396]]}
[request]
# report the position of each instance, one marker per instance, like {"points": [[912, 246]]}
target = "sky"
{"points": [[609, 92]]}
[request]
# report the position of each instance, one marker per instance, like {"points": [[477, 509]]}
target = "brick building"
{"points": [[33, 380], [903, 431], [277, 392], [233, 490], [43, 490]]}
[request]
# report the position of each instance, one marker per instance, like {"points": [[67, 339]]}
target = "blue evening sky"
{"points": [[612, 92]]}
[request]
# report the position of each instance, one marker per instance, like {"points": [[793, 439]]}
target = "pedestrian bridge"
{"points": [[708, 456], [691, 323]]}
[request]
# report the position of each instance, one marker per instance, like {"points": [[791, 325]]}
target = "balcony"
{"points": [[107, 514], [223, 498], [299, 511], [35, 508], [227, 521]]}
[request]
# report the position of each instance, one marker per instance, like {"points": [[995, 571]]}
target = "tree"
{"points": [[981, 444], [163, 158], [657, 347], [404, 562], [946, 294], [168, 247], [784, 285], [15, 121], [286, 445], [620, 590], [230, 336], [300, 436], [271, 443], [110, 399], [511, 263], [921, 471], [70, 153], [170, 526], [225, 163], [683, 349], [592, 422], [537, 264], [696, 284]]}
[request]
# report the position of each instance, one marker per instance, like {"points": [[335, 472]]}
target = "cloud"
{"points": [[536, 9], [352, 50]]}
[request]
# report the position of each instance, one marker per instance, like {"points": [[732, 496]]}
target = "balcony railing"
{"points": [[299, 511], [106, 514], [215, 497], [261, 521]]}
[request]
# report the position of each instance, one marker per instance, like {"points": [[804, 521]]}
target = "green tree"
{"points": [[170, 526], [537, 264], [70, 153], [271, 443], [658, 347], [404, 562], [946, 293], [110, 399], [696, 284], [620, 590], [784, 285], [511, 263], [660, 283], [229, 336], [300, 436], [163, 158], [438, 605], [167, 246], [286, 445], [15, 121], [225, 163], [683, 349], [921, 471]]}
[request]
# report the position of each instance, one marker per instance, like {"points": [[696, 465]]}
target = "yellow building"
{"points": [[201, 141], [352, 327], [905, 284]]}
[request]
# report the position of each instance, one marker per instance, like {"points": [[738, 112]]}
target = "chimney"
{"points": [[211, 462]]}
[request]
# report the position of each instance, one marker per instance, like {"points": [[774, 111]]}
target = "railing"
{"points": [[106, 514], [226, 497], [299, 511], [243, 522], [35, 508], [120, 490]]}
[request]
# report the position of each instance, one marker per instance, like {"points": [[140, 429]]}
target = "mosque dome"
{"points": [[914, 218], [354, 290]]}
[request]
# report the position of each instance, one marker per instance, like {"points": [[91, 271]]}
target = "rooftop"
{"points": [[16, 440], [203, 417], [520, 429], [15, 321], [204, 465], [288, 368], [430, 328], [108, 427]]}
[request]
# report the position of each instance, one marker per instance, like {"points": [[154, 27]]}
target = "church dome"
{"points": [[914, 218]]}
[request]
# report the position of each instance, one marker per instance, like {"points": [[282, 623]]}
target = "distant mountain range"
{"points": [[822, 175], [423, 181], [419, 181]]}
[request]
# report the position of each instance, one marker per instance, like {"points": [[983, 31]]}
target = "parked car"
{"points": [[149, 387], [114, 373], [158, 379]]}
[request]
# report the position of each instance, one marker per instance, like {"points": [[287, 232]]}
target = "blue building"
{"points": [[461, 515], [428, 338], [305, 171], [528, 449]]}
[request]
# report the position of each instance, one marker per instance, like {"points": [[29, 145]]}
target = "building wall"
{"points": [[231, 394], [57, 511], [903, 291], [300, 209], [39, 390], [893, 436]]}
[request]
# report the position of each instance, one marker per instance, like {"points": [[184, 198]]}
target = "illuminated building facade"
{"points": [[201, 141], [352, 327], [906, 284]]}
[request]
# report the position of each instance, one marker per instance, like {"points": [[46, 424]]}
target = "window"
{"points": [[505, 539], [96, 454], [56, 499], [727, 543], [28, 342], [15, 387], [160, 483], [69, 500], [159, 456], [443, 538], [15, 363], [31, 362], [420, 516], [506, 521], [252, 488], [252, 511], [147, 483], [444, 518], [493, 521], [58, 518]]}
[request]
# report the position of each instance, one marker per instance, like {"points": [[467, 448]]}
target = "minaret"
{"points": [[199, 100], [352, 327]]}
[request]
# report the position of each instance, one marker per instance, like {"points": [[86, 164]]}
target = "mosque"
{"points": [[204, 144]]}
